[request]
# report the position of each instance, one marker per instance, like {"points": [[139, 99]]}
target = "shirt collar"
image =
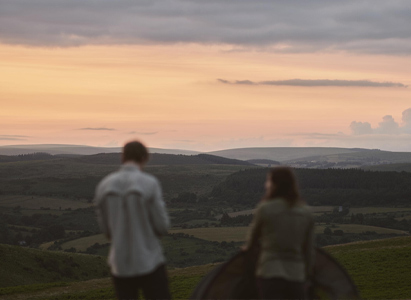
{"points": [[130, 166]]}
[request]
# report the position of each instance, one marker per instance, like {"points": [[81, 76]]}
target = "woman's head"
{"points": [[281, 183]]}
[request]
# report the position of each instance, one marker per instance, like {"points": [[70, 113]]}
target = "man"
{"points": [[133, 216]]}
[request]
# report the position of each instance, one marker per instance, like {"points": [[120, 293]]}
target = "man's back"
{"points": [[133, 216]]}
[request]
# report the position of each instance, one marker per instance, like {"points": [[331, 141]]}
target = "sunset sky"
{"points": [[206, 75]]}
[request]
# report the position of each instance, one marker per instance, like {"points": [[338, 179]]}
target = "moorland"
{"points": [[47, 219]]}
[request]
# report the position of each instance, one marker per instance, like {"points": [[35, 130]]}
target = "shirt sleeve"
{"points": [[101, 212], [158, 212], [254, 232]]}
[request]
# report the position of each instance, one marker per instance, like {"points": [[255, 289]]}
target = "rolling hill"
{"points": [[77, 149], [162, 159], [312, 157], [281, 154], [380, 269], [22, 266]]}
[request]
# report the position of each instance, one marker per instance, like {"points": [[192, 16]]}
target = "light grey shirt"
{"points": [[132, 214]]}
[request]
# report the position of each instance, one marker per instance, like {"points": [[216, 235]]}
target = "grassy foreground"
{"points": [[380, 269], [24, 266]]}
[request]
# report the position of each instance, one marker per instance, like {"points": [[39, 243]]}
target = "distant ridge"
{"points": [[281, 154], [264, 162], [162, 159], [115, 159], [56, 149]]}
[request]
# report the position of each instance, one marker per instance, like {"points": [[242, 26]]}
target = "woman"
{"points": [[284, 227]]}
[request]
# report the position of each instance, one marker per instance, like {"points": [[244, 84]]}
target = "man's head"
{"points": [[135, 152]]}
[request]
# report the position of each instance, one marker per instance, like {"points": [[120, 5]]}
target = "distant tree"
{"points": [[225, 219], [328, 231], [338, 232]]}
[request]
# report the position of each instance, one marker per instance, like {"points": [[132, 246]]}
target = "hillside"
{"points": [[77, 177], [161, 159], [317, 157], [352, 160], [351, 187], [22, 266], [77, 149], [281, 153], [264, 162], [380, 269]]}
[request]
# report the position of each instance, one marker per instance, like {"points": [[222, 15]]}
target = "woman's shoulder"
{"points": [[272, 204]]}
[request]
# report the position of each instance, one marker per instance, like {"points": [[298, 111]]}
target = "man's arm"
{"points": [[158, 212], [101, 212]]}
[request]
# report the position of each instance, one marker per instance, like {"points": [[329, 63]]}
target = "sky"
{"points": [[206, 75]]}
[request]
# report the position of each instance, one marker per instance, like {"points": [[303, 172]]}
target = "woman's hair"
{"points": [[285, 185]]}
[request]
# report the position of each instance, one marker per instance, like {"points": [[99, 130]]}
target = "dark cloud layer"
{"points": [[360, 26], [97, 128], [143, 133], [13, 137], [317, 82]]}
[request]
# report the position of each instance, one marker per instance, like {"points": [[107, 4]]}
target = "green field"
{"points": [[82, 244], [238, 234], [380, 269], [378, 210], [228, 234], [314, 209], [357, 228], [327, 208], [182, 282], [218, 234], [181, 250]]}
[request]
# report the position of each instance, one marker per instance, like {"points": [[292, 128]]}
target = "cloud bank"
{"points": [[387, 126], [97, 128], [317, 82], [143, 133], [359, 26], [8, 137]]}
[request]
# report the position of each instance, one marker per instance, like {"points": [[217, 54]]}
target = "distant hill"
{"points": [[263, 162], [163, 159], [77, 149], [76, 177], [352, 160], [26, 157], [281, 153], [21, 266], [300, 157]]}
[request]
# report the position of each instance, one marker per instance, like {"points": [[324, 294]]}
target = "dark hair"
{"points": [[285, 185], [135, 151]]}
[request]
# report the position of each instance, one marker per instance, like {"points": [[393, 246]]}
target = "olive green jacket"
{"points": [[286, 235]]}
